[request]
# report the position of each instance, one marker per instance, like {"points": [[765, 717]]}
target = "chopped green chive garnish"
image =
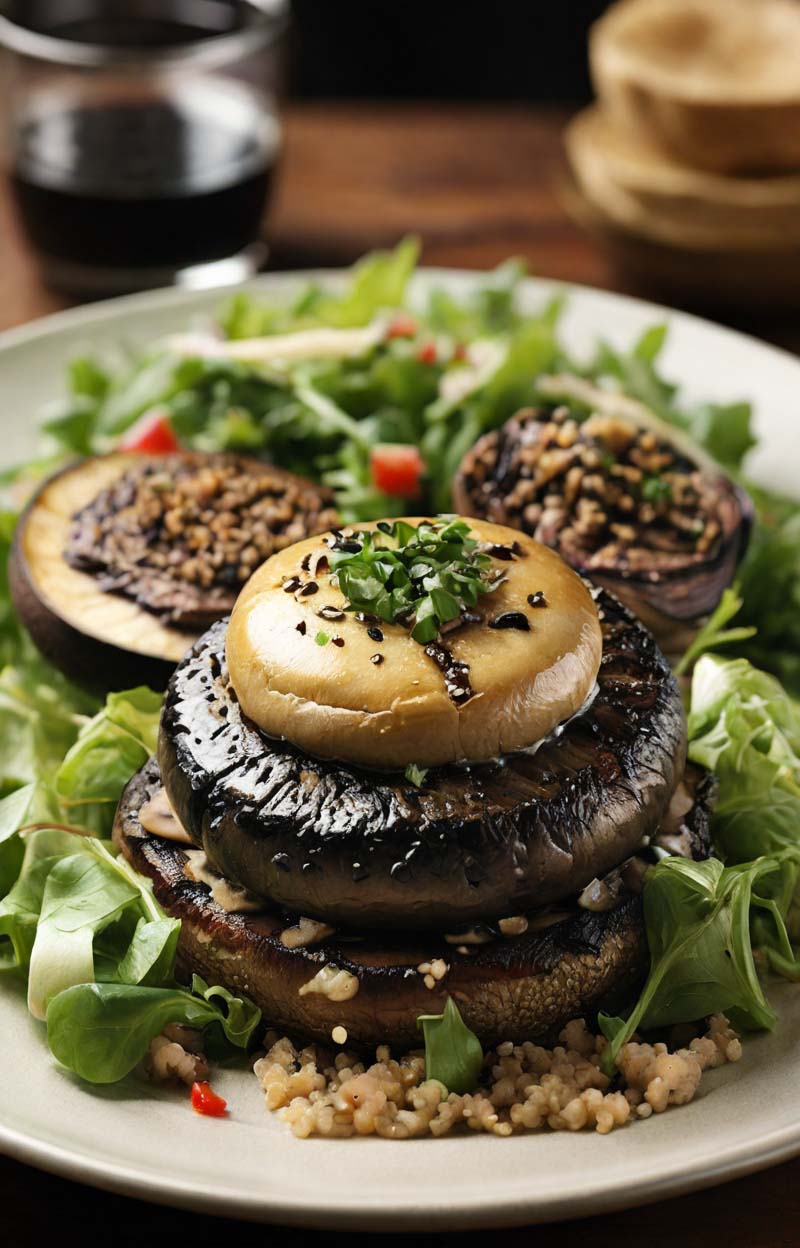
{"points": [[322, 639], [656, 490], [422, 576], [416, 775]]}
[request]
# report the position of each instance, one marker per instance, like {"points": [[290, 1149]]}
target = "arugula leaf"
{"points": [[101, 1031], [453, 1053], [769, 583], [746, 728], [697, 916], [713, 633], [378, 281], [724, 430]]}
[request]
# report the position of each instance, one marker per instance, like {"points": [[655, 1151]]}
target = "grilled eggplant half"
{"points": [[623, 498], [355, 847], [122, 560], [566, 962]]}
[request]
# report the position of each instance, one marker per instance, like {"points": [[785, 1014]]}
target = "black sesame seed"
{"points": [[537, 600], [375, 633], [301, 628], [376, 659], [291, 585], [309, 589], [338, 641], [511, 619], [330, 613]]}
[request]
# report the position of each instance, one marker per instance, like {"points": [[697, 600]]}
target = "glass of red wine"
{"points": [[142, 137]]}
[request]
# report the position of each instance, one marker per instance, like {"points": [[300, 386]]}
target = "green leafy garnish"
{"points": [[322, 639], [423, 576], [746, 728], [714, 633], [697, 916], [453, 1053], [656, 489], [416, 775], [101, 1031]]}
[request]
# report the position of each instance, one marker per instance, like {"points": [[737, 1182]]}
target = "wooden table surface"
{"points": [[478, 185]]}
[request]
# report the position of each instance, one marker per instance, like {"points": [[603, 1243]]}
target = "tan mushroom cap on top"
{"points": [[335, 702]]}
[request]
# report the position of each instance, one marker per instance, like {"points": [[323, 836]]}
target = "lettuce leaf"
{"points": [[453, 1053], [101, 1031], [745, 727], [697, 916], [108, 750]]}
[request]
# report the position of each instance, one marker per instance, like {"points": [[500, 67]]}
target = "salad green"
{"points": [[96, 948], [440, 376]]}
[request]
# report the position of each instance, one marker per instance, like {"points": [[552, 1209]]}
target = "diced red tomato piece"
{"points": [[397, 469], [402, 326], [427, 353], [152, 434], [205, 1101]]}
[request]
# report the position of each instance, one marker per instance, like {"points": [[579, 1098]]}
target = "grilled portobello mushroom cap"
{"points": [[120, 561], [624, 499], [356, 848], [569, 963]]}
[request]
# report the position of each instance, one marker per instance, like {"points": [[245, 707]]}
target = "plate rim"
{"points": [[475, 1214], [479, 1210]]}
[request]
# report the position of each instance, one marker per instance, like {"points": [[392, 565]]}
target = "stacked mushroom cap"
{"points": [[285, 758]]}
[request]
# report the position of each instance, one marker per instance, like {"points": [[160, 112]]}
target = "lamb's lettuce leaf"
{"points": [[102, 1031]]}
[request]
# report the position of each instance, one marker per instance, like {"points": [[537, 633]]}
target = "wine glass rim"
{"points": [[269, 20]]}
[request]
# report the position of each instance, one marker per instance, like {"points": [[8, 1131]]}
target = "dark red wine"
{"points": [[140, 182]]}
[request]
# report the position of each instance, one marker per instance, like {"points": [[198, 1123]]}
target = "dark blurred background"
{"points": [[441, 49]]}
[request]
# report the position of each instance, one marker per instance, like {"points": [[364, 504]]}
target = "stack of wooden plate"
{"points": [[688, 166]]}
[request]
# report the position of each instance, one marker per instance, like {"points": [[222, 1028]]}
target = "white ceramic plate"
{"points": [[144, 1142]]}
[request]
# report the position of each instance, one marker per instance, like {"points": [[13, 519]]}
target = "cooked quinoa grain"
{"points": [[525, 1087]]}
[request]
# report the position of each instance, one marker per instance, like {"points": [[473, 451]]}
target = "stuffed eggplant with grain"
{"points": [[120, 561], [623, 498], [422, 759]]}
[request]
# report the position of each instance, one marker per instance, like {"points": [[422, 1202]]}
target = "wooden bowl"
{"points": [[715, 82], [642, 189], [704, 277]]}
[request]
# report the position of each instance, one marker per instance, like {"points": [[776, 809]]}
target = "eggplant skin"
{"points": [[527, 988], [355, 848]]}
